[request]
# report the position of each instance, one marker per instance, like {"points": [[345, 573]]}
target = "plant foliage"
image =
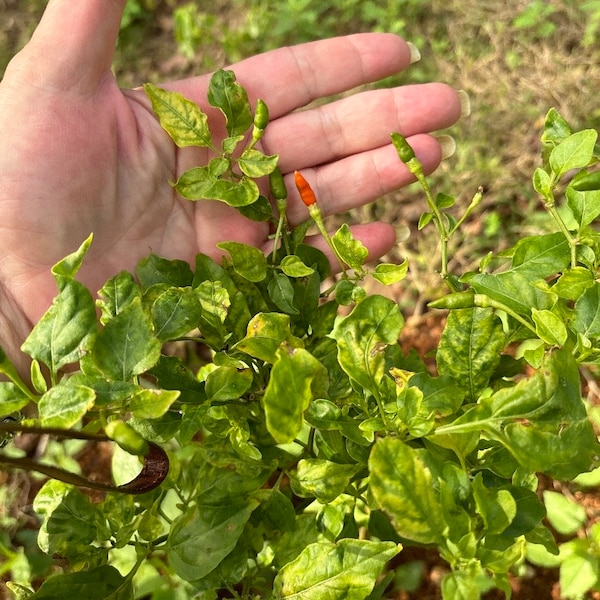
{"points": [[309, 449]]}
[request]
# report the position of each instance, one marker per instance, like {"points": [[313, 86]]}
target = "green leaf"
{"points": [[277, 510], [229, 144], [586, 317], [350, 250], [8, 369], [585, 206], [363, 336], [266, 332], [225, 475], [444, 201], [346, 570], [226, 94], [38, 379], [69, 519], [565, 515], [541, 255], [151, 403], [70, 265], [322, 479], [441, 395], [127, 345], [293, 266], [345, 291], [542, 183], [327, 416], [64, 405], [204, 535], [574, 152], [497, 507], [470, 348], [206, 183], [215, 301], [578, 570], [12, 399], [401, 485], [529, 517], [99, 583], [116, 294], [281, 292], [247, 261], [388, 273], [556, 129], [255, 164], [175, 313], [154, 269], [290, 391], [64, 333], [179, 117], [313, 257], [541, 420], [460, 586], [424, 220], [549, 327], [228, 383], [259, 211], [513, 289], [573, 283]]}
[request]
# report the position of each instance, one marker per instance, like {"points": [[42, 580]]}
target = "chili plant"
{"points": [[272, 438]]}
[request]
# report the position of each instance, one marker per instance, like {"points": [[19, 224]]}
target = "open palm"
{"points": [[79, 155]]}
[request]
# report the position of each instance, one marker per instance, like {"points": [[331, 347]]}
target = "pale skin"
{"points": [[79, 155]]}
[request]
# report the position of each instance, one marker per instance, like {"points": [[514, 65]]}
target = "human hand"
{"points": [[79, 155]]}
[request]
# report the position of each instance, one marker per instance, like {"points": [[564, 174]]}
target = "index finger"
{"points": [[291, 77], [73, 44]]}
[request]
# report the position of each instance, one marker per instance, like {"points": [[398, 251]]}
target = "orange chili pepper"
{"points": [[306, 192]]}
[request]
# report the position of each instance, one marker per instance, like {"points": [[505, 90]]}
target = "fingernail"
{"points": [[415, 55], [465, 103], [447, 144]]}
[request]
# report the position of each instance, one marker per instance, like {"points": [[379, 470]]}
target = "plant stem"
{"points": [[475, 202], [416, 168], [315, 213], [573, 242], [281, 209]]}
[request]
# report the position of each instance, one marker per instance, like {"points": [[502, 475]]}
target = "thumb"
{"points": [[73, 45]]}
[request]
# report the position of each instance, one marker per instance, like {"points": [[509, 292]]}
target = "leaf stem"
{"points": [[281, 223], [413, 164]]}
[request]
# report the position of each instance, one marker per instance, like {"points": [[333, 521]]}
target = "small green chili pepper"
{"points": [[261, 119], [403, 148], [261, 115], [127, 437], [587, 183], [277, 185], [457, 300]]}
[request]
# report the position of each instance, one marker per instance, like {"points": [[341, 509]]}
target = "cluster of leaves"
{"points": [[309, 448]]}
